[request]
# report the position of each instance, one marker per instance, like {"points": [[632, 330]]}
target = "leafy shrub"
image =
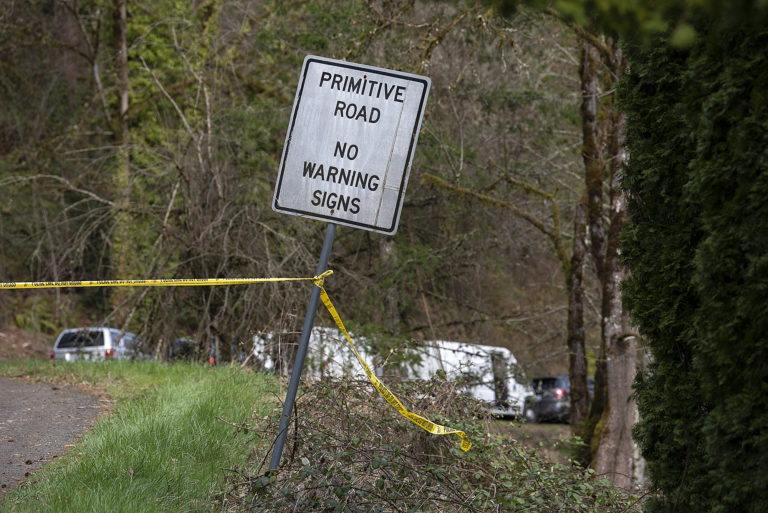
{"points": [[348, 451]]}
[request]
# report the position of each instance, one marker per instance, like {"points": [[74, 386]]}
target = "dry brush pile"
{"points": [[348, 451]]}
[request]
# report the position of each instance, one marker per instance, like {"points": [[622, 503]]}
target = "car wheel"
{"points": [[530, 415]]}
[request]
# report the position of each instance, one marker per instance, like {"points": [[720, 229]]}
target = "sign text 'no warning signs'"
{"points": [[350, 143]]}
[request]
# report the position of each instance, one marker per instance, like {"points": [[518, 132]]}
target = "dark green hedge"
{"points": [[697, 248]]}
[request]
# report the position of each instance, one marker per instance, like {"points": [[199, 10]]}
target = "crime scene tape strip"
{"points": [[173, 282], [427, 425]]}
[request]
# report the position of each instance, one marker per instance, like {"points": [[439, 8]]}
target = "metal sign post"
{"points": [[346, 160], [301, 352]]}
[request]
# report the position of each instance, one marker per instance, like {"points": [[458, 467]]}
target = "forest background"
{"points": [[161, 161], [142, 140]]}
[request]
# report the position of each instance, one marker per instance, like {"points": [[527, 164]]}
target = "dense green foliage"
{"points": [[645, 19], [698, 251]]}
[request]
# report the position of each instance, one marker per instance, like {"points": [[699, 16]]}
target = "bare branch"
{"points": [[551, 233], [70, 185]]}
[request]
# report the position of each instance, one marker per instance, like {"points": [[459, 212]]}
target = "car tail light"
{"points": [[559, 393], [53, 355], [109, 353]]}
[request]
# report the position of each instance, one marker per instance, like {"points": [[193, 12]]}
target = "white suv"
{"points": [[95, 344]]}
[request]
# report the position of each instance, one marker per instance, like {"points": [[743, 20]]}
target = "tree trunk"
{"points": [[588, 234], [121, 246], [608, 428], [576, 338], [614, 448], [592, 151], [614, 454]]}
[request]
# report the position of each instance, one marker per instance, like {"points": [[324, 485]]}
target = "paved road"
{"points": [[37, 422]]}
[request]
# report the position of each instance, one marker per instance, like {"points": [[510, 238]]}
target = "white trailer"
{"points": [[488, 372]]}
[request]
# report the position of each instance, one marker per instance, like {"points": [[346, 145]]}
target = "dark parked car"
{"points": [[183, 348], [190, 350], [551, 399]]}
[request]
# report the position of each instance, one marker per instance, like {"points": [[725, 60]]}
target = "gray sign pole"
{"points": [[301, 352]]}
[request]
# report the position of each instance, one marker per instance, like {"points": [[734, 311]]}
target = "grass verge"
{"points": [[161, 449]]}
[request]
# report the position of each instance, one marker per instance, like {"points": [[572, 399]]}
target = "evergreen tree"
{"points": [[697, 246]]}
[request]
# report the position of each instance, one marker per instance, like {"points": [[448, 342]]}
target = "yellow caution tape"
{"points": [[428, 425], [174, 282]]}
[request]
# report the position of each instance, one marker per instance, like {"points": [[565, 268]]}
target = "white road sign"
{"points": [[350, 143]]}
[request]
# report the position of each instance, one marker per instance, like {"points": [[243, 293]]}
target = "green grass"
{"points": [[160, 449]]}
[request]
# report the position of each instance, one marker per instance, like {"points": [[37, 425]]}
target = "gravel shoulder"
{"points": [[38, 423]]}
